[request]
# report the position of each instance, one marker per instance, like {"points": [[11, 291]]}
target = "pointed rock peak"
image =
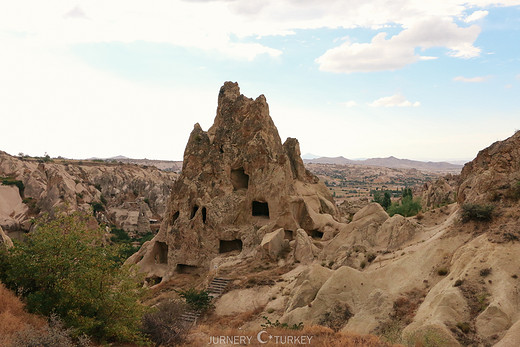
{"points": [[229, 91]]}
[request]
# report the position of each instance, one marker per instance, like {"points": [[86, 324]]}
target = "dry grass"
{"points": [[13, 317], [234, 321], [320, 337]]}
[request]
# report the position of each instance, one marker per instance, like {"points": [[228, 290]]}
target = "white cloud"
{"points": [[396, 100], [476, 79], [475, 16], [210, 24], [398, 51], [350, 103]]}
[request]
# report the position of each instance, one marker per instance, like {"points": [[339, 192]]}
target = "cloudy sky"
{"points": [[417, 79]]}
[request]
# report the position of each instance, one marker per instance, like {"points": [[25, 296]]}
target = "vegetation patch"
{"points": [[337, 317], [10, 181], [198, 300], [476, 212], [268, 324], [68, 269], [163, 325]]}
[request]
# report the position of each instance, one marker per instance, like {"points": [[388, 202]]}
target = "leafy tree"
{"points": [[407, 208], [387, 201], [65, 267]]}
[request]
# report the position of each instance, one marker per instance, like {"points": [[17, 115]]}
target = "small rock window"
{"points": [[203, 211], [185, 269], [175, 216], [194, 211], [160, 252], [239, 179], [288, 235], [315, 234], [230, 246], [260, 208]]}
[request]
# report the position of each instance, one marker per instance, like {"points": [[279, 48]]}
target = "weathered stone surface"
{"points": [[5, 241], [492, 174], [237, 178], [303, 248], [438, 193], [273, 243]]}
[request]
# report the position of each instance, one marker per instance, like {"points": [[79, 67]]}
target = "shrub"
{"points": [[197, 300], [336, 318], [442, 271], [277, 324], [53, 335], [164, 326], [477, 212], [485, 272], [458, 283], [97, 207], [64, 267], [464, 327]]}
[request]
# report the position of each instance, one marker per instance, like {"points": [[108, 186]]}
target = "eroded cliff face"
{"points": [[239, 182], [493, 175], [131, 195], [492, 180]]}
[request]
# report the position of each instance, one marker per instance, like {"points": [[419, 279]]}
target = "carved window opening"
{"points": [[315, 234], [160, 252], [185, 269], [230, 246], [288, 235], [239, 179], [260, 209]]}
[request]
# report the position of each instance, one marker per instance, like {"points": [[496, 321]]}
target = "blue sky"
{"points": [[427, 80]]}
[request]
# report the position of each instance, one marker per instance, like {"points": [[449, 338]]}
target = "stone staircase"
{"points": [[217, 286], [215, 289]]}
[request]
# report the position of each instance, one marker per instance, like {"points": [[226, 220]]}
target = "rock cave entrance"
{"points": [[239, 179], [203, 211], [175, 216], [226, 246], [194, 211], [160, 252], [315, 234], [152, 281], [260, 208], [185, 269], [288, 235]]}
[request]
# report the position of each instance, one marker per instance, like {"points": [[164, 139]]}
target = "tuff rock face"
{"points": [[74, 185], [238, 183], [492, 174], [493, 179]]}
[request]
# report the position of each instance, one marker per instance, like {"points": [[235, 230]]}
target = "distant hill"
{"points": [[391, 162]]}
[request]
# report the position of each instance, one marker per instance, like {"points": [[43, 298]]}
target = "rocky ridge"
{"points": [[127, 196]]}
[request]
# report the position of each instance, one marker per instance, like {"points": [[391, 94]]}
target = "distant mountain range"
{"points": [[390, 162]]}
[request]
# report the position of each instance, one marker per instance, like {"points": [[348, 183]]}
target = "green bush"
{"points": [[197, 300], [477, 212], [407, 208], [63, 267]]}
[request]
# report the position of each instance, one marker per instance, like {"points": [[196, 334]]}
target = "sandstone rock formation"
{"points": [[75, 185], [493, 175], [438, 193], [239, 182], [5, 241]]}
